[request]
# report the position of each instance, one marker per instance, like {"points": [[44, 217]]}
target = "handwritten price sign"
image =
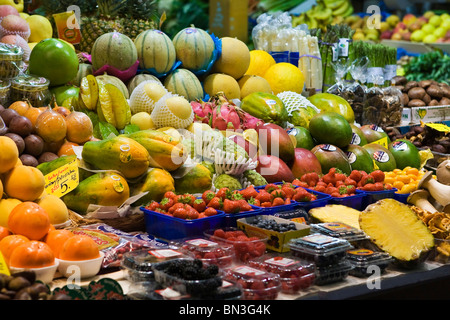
{"points": [[62, 180]]}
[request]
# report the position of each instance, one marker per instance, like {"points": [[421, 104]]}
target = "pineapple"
{"points": [[336, 213], [396, 229]]}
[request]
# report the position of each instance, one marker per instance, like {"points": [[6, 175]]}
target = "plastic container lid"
{"points": [[333, 273], [295, 274], [210, 252], [362, 259], [339, 230], [256, 284], [30, 82], [10, 52], [322, 249], [138, 263]]}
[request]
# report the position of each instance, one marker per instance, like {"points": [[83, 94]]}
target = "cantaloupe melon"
{"points": [[251, 83], [114, 49], [155, 51], [184, 83], [194, 48], [137, 79], [83, 70], [106, 78]]}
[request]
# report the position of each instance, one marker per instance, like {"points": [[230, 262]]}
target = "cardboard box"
{"points": [[277, 241], [430, 114], [229, 18]]}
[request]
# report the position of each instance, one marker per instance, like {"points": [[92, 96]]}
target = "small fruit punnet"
{"points": [[339, 230], [295, 274], [209, 252], [365, 260], [256, 284]]}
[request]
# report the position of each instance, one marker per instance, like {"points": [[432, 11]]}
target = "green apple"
{"points": [[64, 92], [429, 38], [417, 36], [440, 32], [446, 24], [143, 120], [435, 21]]}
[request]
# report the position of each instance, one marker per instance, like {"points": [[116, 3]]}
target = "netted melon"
{"points": [[396, 229]]}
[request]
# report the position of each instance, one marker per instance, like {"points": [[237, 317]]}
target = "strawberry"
{"points": [[216, 203], [349, 181], [230, 206], [254, 202], [208, 195], [249, 192], [223, 193], [300, 183], [365, 180], [351, 189], [170, 194], [180, 213], [278, 194], [175, 206], [266, 204], [152, 206], [264, 196], [277, 202], [271, 187], [166, 203], [199, 205], [288, 191], [355, 175], [377, 175], [192, 213], [244, 205]]}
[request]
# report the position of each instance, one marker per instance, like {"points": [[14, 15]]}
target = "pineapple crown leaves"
{"points": [[134, 9]]}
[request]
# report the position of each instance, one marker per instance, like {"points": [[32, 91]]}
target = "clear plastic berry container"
{"points": [[295, 274], [137, 265], [366, 262], [209, 251], [339, 230], [245, 246], [256, 284], [333, 273], [188, 276], [323, 250]]}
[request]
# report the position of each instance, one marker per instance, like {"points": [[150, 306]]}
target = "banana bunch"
{"points": [[324, 13]]}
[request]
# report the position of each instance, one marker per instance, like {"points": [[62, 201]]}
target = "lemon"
{"points": [[40, 28], [285, 76], [260, 61]]}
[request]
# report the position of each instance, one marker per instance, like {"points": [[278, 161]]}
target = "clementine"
{"points": [[4, 232], [26, 183], [79, 247], [56, 239], [32, 254], [9, 243], [29, 219]]}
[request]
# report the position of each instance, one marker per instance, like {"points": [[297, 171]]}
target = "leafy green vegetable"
{"points": [[433, 65]]}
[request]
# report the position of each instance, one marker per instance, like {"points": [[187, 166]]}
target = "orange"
{"points": [[56, 239], [25, 183], [284, 76], [4, 232], [66, 149], [20, 106], [260, 61], [29, 220], [79, 247], [32, 254], [9, 243], [9, 154]]}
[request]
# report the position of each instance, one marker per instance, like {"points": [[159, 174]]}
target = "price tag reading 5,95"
{"points": [[62, 180]]}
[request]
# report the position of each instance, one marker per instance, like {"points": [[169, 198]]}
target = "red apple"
{"points": [[305, 162], [406, 36], [251, 149], [386, 34], [273, 169]]}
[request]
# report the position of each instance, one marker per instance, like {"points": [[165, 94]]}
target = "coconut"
{"points": [[13, 24]]}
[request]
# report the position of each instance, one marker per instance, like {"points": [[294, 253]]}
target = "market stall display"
{"points": [[224, 172]]}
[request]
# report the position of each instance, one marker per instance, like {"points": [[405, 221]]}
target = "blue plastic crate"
{"points": [[322, 200], [401, 197], [230, 219], [355, 201], [374, 196], [170, 228]]}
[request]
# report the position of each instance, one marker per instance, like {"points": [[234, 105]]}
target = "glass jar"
{"points": [[11, 61], [31, 88], [4, 92]]}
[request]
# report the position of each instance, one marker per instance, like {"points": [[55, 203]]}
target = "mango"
{"points": [[195, 179], [156, 182]]}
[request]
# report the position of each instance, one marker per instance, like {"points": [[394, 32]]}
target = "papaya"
{"points": [[49, 166], [195, 179], [119, 153], [156, 182], [166, 151], [103, 188], [267, 107]]}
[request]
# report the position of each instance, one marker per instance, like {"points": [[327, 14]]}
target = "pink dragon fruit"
{"points": [[224, 113], [202, 110], [248, 121]]}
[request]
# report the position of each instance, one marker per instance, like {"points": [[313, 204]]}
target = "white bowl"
{"points": [[82, 268], [44, 274]]}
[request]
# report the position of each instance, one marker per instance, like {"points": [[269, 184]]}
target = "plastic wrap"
{"points": [[383, 107]]}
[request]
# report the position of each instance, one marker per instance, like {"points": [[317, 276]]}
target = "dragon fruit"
{"points": [[202, 110], [248, 121], [224, 114]]}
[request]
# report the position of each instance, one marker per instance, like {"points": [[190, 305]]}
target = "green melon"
{"points": [[184, 83], [83, 70], [106, 78], [114, 49], [137, 79], [194, 48], [155, 51]]}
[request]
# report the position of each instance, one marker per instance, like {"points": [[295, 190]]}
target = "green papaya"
{"points": [[265, 106], [119, 153], [166, 152], [47, 167], [156, 182], [103, 188], [195, 179]]}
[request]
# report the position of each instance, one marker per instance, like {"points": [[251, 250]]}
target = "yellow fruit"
{"points": [[40, 28], [234, 59], [9, 154], [220, 82], [260, 62], [25, 183], [56, 208], [250, 83], [143, 120], [6, 206], [285, 76], [32, 44], [179, 106]]}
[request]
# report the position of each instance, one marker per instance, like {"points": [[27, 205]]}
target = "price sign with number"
{"points": [[62, 180]]}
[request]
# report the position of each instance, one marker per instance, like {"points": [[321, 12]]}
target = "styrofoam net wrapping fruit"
{"points": [[293, 101], [145, 96], [172, 111]]}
